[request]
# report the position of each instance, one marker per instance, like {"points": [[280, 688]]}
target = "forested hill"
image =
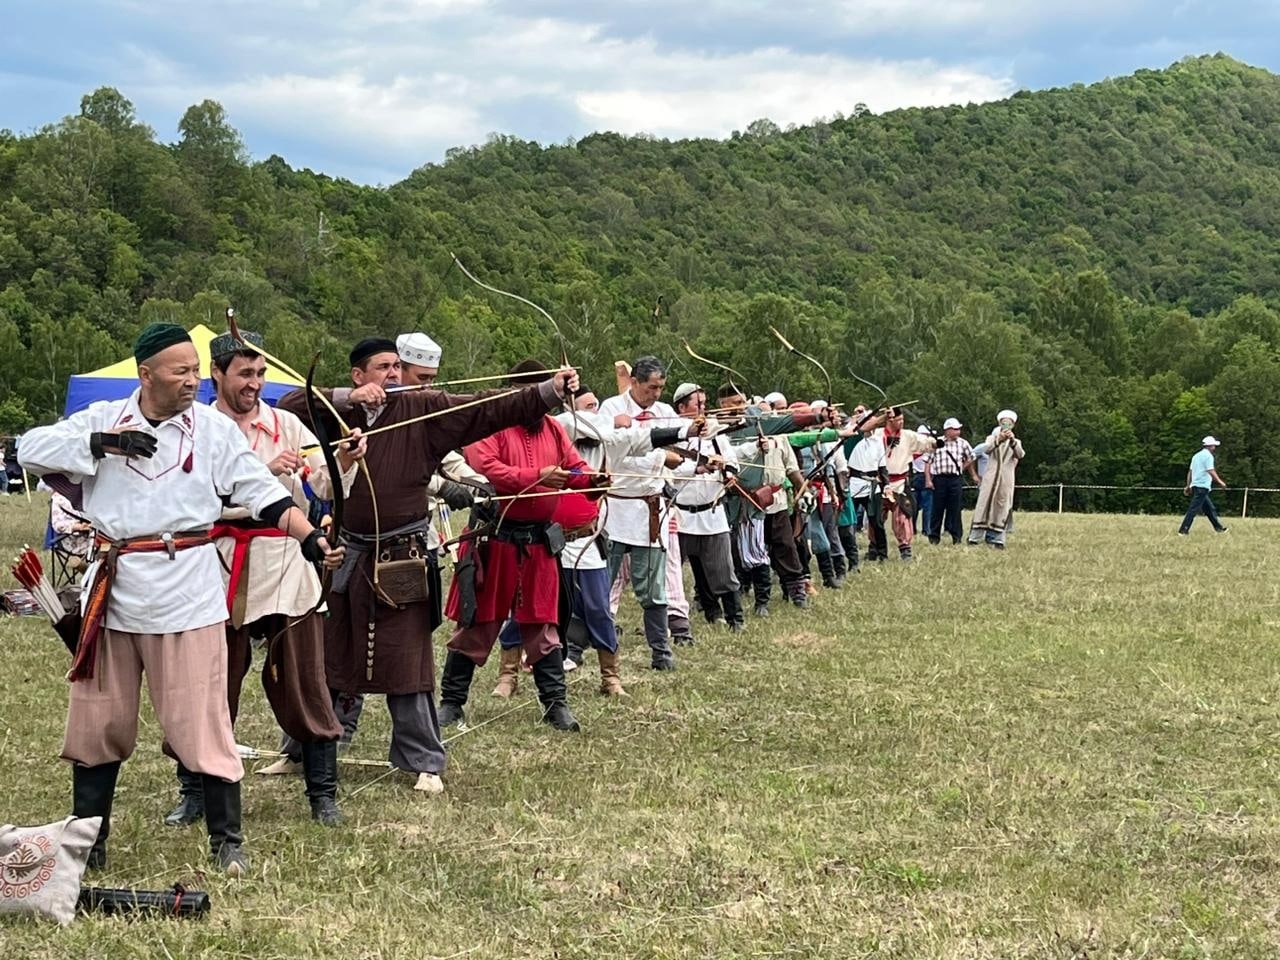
{"points": [[1105, 259]]}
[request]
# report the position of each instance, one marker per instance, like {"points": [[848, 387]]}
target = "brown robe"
{"points": [[401, 463]]}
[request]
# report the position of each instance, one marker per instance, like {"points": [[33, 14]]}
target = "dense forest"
{"points": [[1105, 259]]}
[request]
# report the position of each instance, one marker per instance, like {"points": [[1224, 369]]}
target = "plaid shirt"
{"points": [[951, 457]]}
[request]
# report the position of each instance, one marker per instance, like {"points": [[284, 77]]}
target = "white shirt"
{"points": [[280, 579], [200, 457], [705, 488], [777, 464], [867, 456], [452, 467], [627, 521], [613, 445]]}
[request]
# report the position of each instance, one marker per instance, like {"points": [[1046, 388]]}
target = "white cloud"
{"points": [[711, 97]]}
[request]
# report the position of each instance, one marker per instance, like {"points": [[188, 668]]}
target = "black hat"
{"points": [[370, 346]]}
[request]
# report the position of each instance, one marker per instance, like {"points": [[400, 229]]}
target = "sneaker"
{"points": [[1221, 530], [449, 714], [762, 611], [1184, 533], [569, 665], [682, 639], [663, 663], [232, 860]]}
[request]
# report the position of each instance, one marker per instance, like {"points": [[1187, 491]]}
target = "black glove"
{"points": [[126, 443], [883, 474], [311, 549], [456, 495]]}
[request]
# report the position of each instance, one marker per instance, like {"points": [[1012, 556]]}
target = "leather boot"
{"points": [[320, 768], [92, 791], [222, 815], [548, 677], [733, 614], [190, 808], [798, 594], [655, 631], [455, 685], [827, 567], [508, 673], [610, 675], [576, 641], [840, 566], [762, 580]]}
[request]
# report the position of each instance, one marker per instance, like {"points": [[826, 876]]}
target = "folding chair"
{"points": [[65, 566]]}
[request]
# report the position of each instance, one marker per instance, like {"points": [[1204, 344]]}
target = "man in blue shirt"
{"points": [[1200, 480]]}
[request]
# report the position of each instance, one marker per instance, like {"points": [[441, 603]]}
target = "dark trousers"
{"points": [[923, 518], [781, 543], [947, 491], [873, 517], [1201, 502]]}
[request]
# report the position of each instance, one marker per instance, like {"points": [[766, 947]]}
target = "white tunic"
{"points": [[201, 456], [704, 489], [778, 463], [867, 456], [628, 520], [280, 579], [614, 445]]}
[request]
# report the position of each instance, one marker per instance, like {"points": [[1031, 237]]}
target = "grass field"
{"points": [[1067, 750]]}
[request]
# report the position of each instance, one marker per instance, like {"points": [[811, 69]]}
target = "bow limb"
{"points": [[812, 359], [315, 394]]}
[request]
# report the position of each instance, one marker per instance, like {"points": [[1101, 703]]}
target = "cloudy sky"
{"points": [[371, 89]]}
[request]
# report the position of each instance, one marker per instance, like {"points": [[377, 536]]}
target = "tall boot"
{"points": [[849, 541], [733, 615], [548, 677], [320, 768], [190, 808], [610, 675], [827, 567], [841, 567], [455, 685], [762, 580], [655, 631], [92, 791], [508, 673], [576, 640], [222, 815], [797, 593]]}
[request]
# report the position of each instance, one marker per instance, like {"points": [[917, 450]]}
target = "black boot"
{"points": [[92, 791], [320, 768], [222, 815], [455, 685], [733, 614], [655, 631], [762, 580], [827, 567], [841, 568], [190, 808], [576, 641], [797, 594], [850, 543], [548, 677]]}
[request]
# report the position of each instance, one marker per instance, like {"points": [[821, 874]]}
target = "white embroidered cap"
{"points": [[1006, 415], [418, 349]]}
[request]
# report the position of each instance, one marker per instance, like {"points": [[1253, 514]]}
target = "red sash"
{"points": [[242, 536]]}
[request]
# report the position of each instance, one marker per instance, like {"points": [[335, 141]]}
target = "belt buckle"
{"points": [[167, 538]]}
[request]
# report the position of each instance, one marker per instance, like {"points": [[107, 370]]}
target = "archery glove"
{"points": [[126, 443], [311, 549]]}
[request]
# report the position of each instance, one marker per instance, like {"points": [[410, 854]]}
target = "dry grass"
{"points": [[1065, 751]]}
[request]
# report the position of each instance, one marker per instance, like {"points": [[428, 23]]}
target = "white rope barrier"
{"points": [[1063, 487]]}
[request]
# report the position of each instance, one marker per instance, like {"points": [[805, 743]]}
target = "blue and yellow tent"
{"points": [[121, 379]]}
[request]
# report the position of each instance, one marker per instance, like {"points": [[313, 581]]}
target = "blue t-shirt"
{"points": [[1201, 464]]}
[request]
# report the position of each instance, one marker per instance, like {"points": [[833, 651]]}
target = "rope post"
{"points": [[1244, 507], [1060, 486]]}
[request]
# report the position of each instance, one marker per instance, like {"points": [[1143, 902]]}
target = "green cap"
{"points": [[156, 337]]}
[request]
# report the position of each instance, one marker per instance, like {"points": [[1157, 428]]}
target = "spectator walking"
{"points": [[1201, 476]]}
